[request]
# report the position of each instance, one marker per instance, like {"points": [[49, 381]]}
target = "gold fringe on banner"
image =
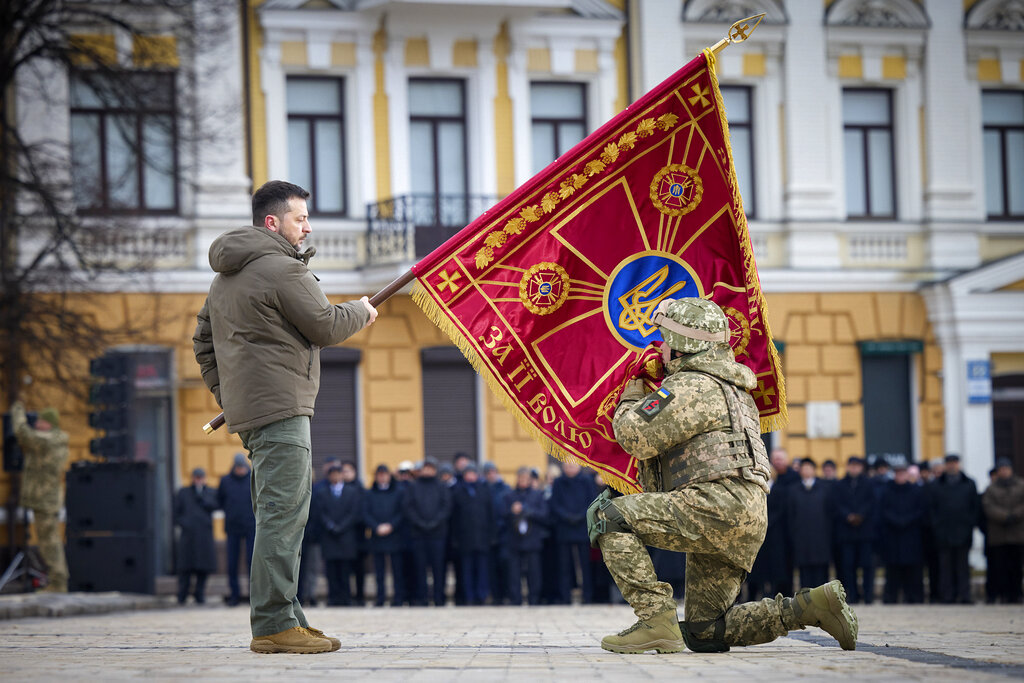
{"points": [[778, 421], [438, 317]]}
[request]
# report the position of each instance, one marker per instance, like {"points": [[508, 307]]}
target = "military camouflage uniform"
{"points": [[42, 490], [704, 473]]}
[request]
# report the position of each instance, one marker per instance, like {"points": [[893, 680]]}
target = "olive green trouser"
{"points": [[681, 522], [281, 484], [51, 549]]}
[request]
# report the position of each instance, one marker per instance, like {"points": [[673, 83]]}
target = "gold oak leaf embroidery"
{"points": [[514, 226], [531, 213], [566, 188], [484, 256], [666, 121], [594, 167], [578, 180], [645, 128], [495, 239], [627, 141], [610, 153], [549, 202]]}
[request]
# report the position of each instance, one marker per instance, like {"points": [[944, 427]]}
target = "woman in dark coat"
{"points": [[902, 505], [340, 508], [809, 520], [193, 514], [382, 514]]}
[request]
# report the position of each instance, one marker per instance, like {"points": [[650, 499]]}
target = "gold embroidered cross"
{"points": [[762, 392], [449, 281], [701, 95]]}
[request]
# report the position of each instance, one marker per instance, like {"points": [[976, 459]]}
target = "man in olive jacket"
{"points": [[1003, 502], [258, 345]]}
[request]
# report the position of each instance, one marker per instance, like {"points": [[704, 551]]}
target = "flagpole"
{"points": [[738, 32], [376, 300]]}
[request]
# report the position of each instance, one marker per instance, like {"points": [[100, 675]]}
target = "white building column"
{"points": [[811, 100], [221, 184]]}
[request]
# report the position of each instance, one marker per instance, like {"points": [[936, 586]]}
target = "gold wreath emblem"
{"points": [[676, 190], [544, 288], [739, 330]]}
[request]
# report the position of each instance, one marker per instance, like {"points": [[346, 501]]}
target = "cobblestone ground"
{"points": [[486, 643]]}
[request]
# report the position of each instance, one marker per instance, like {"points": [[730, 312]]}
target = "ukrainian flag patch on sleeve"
{"points": [[654, 404]]}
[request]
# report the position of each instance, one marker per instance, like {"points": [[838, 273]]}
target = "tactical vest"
{"points": [[737, 451]]}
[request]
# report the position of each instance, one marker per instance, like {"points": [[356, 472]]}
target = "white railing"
{"points": [[128, 247], [863, 249]]}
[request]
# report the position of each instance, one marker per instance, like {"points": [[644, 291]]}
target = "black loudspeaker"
{"points": [[110, 497], [113, 562]]}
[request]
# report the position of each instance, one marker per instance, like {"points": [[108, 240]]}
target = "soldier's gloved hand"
{"points": [[634, 391]]}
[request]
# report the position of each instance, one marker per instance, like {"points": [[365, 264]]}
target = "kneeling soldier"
{"points": [[705, 474]]}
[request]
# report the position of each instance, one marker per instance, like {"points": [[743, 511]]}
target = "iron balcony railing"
{"points": [[408, 227]]}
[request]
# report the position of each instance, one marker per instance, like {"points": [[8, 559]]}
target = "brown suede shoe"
{"points": [[335, 643], [295, 640]]}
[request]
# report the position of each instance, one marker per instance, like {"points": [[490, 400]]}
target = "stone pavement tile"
{"points": [[492, 644]]}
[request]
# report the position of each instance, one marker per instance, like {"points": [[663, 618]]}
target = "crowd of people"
{"points": [[419, 525], [422, 524], [913, 520]]}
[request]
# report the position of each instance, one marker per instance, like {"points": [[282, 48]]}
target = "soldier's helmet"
{"points": [[691, 325]]}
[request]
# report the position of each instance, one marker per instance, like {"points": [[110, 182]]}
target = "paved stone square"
{"points": [[512, 643]]}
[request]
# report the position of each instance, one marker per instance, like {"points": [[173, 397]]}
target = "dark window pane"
{"points": [[85, 160], [543, 145], [880, 172], [887, 420], [158, 173], [866, 107], [329, 162], [435, 98], [449, 405], [993, 172], [569, 134], [300, 158], [122, 162], [1002, 108], [557, 101], [1015, 171], [856, 199], [314, 96]]}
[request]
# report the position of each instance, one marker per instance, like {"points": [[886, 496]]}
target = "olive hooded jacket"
{"points": [[261, 329]]}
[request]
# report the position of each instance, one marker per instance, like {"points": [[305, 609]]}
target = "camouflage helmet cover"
{"points": [[691, 325]]}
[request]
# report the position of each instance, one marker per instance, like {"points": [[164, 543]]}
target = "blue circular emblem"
{"points": [[637, 286], [545, 288], [676, 190]]}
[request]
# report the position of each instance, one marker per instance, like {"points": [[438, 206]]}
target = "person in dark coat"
{"points": [[902, 518], [340, 507], [382, 514], [474, 530], [193, 514], [1003, 505], [234, 497], [571, 494], [781, 568], [428, 507], [855, 499], [497, 556], [526, 513], [810, 525], [953, 512]]}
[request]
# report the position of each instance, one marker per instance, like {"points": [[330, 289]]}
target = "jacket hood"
{"points": [[237, 248], [718, 361]]}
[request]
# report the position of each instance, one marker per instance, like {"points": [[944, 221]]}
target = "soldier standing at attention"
{"points": [[42, 486], [704, 472], [258, 346]]}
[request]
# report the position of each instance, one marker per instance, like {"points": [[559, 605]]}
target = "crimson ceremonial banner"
{"points": [[550, 293]]}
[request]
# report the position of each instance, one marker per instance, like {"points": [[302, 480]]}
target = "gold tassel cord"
{"points": [[437, 316], [769, 423]]}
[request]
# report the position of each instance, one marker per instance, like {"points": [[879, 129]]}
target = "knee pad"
{"points": [[604, 518], [716, 643]]}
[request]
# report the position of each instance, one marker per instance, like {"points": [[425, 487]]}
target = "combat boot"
{"points": [[294, 640], [660, 632], [335, 643], [826, 608]]}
